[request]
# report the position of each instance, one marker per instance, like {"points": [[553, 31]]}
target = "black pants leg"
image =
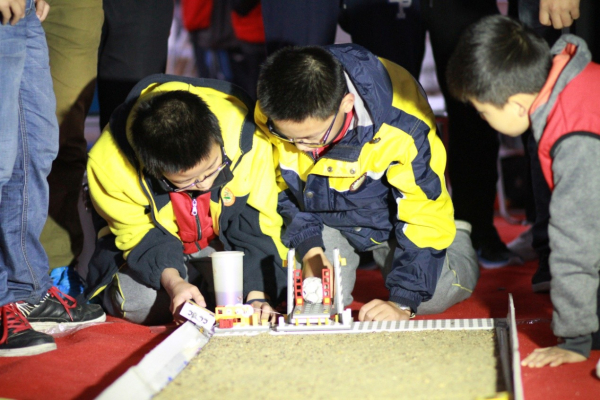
{"points": [[473, 144], [133, 46]]}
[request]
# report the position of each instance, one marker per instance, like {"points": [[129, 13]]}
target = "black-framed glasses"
{"points": [[321, 143], [199, 181], [220, 168]]}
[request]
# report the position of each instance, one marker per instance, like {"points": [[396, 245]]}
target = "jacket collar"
{"points": [[370, 79], [571, 56], [371, 85]]}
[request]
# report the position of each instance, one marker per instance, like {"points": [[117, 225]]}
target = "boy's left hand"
{"points": [[264, 311], [380, 310], [553, 356]]}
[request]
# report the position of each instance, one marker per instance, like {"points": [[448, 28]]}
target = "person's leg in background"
{"points": [[299, 22], [133, 45], [473, 144], [73, 31], [245, 73], [391, 30], [28, 144], [588, 26], [527, 11], [24, 201]]}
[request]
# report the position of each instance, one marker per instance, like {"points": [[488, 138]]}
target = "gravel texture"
{"points": [[399, 365]]}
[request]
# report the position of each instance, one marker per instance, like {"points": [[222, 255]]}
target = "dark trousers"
{"points": [[133, 46], [73, 33], [527, 11], [398, 33], [299, 22]]}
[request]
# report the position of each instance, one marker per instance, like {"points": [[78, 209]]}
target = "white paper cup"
{"points": [[228, 274]]}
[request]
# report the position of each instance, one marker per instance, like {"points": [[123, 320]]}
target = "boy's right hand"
{"points": [[314, 262], [12, 11], [179, 291]]}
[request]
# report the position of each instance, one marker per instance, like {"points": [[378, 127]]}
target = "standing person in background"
{"points": [[247, 22], [396, 31], [228, 38], [73, 34], [211, 35], [28, 145], [133, 46]]}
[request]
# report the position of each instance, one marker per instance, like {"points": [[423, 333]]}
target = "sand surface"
{"points": [[400, 365]]}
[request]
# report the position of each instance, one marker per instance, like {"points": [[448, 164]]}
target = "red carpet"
{"points": [[89, 360], [533, 314]]}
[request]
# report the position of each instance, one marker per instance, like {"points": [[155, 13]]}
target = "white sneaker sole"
{"points": [[43, 326], [28, 351]]}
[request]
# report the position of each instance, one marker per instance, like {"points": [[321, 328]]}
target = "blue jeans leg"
{"points": [[28, 145]]}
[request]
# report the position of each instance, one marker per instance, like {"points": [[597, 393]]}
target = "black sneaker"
{"points": [[18, 338], [56, 308], [540, 281], [496, 255]]}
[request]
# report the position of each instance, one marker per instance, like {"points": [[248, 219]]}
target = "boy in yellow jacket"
{"points": [[179, 172]]}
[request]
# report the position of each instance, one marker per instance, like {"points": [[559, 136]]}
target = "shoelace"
{"points": [[62, 298], [12, 319]]}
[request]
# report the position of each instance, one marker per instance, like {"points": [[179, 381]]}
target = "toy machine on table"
{"points": [[326, 314]]}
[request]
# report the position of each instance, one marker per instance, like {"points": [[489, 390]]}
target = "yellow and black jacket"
{"points": [[383, 180], [138, 224]]}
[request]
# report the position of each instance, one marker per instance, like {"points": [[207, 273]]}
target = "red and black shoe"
{"points": [[18, 337], [60, 308]]}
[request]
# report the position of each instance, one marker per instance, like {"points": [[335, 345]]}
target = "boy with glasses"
{"points": [[360, 168], [179, 172]]}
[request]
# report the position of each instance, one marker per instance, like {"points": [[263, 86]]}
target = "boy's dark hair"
{"points": [[173, 132], [496, 58], [296, 83]]}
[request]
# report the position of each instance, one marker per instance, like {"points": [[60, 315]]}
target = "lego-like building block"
{"points": [[298, 287], [326, 282]]}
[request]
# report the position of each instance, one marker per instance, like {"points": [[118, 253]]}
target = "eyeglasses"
{"points": [[198, 181], [322, 142]]}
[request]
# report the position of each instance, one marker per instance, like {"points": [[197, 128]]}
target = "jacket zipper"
{"points": [[194, 212]]}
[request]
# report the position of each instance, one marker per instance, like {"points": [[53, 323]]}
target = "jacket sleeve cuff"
{"points": [[579, 344], [406, 302], [306, 245]]}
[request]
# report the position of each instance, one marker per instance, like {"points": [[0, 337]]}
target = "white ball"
{"points": [[312, 290]]}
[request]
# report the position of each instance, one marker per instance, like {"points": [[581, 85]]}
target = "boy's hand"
{"points": [[558, 13], [12, 11], [41, 9], [379, 310], [314, 262], [264, 311], [553, 356], [179, 290]]}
